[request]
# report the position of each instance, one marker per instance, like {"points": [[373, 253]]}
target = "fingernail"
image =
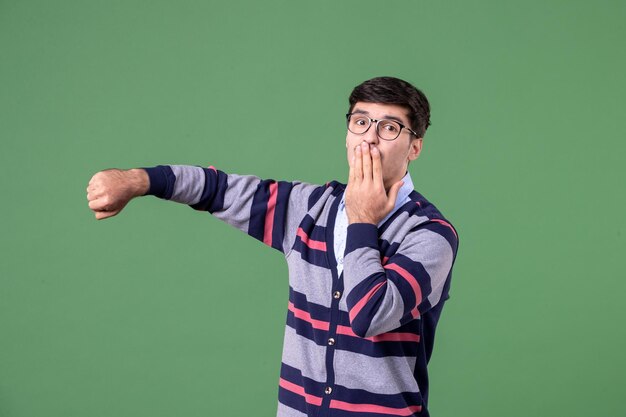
{"points": [[374, 149]]}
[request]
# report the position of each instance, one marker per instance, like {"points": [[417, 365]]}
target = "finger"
{"points": [[393, 194], [367, 162], [99, 204], [377, 168], [105, 214], [358, 163], [92, 195], [351, 161]]}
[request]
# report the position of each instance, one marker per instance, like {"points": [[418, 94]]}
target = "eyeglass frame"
{"points": [[402, 126]]}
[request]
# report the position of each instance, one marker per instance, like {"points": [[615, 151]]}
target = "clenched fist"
{"points": [[109, 191]]}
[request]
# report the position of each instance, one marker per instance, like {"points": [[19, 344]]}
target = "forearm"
{"points": [[385, 291]]}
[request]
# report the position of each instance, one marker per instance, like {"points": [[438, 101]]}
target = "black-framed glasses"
{"points": [[386, 129]]}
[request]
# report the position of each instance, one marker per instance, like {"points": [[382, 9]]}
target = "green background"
{"points": [[163, 311]]}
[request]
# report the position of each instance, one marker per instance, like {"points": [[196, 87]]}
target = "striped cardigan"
{"points": [[356, 344]]}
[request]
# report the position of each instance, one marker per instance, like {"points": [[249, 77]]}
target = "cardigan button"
{"points": [[337, 295], [328, 390], [331, 341]]}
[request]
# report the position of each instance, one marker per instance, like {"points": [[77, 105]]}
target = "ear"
{"points": [[415, 147]]}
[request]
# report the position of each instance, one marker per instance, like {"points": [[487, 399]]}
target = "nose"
{"points": [[371, 136]]}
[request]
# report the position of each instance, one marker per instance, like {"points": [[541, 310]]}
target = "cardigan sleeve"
{"points": [[384, 294], [267, 210]]}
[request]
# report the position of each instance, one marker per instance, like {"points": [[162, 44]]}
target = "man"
{"points": [[370, 263]]}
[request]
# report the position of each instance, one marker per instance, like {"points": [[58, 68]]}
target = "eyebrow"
{"points": [[387, 116]]}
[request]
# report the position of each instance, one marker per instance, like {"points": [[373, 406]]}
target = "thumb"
{"points": [[393, 193]]}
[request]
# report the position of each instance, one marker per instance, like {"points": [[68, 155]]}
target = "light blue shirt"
{"points": [[341, 222]]}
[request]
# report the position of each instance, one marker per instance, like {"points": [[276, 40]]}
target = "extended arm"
{"points": [[267, 210]]}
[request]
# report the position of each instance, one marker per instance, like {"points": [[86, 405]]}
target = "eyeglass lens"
{"points": [[386, 129]]}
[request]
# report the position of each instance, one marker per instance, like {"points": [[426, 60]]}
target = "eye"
{"points": [[390, 126], [360, 121]]}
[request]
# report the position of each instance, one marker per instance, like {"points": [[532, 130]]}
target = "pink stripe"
{"points": [[313, 244], [385, 259], [373, 408], [354, 311], [304, 315], [396, 337], [418, 204], [384, 337], [269, 214], [345, 330], [412, 282], [297, 389], [213, 168], [445, 223]]}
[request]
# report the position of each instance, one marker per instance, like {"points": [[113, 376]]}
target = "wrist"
{"points": [[139, 181]]}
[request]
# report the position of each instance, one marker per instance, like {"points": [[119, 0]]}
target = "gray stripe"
{"points": [[435, 255], [238, 200], [284, 411], [377, 375], [399, 229], [311, 280], [303, 354], [189, 184]]}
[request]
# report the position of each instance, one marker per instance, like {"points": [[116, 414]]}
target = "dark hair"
{"points": [[390, 90]]}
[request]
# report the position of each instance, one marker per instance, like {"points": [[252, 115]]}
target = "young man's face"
{"points": [[395, 154]]}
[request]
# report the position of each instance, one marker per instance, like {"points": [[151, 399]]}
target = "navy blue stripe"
{"points": [[309, 255], [256, 227], [293, 375], [219, 182], [215, 185], [337, 285], [315, 196], [295, 401], [290, 399], [338, 189], [314, 231], [361, 235], [300, 301], [280, 214], [387, 249], [306, 330], [162, 181], [359, 396]]}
